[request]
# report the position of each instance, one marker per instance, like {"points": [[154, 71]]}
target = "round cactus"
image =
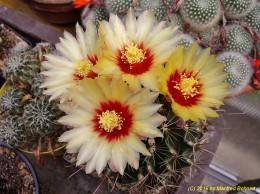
{"points": [[95, 14], [236, 9], [253, 19], [22, 66], [119, 6], [11, 101], [159, 7], [36, 82], [175, 20], [187, 40], [12, 131], [41, 115], [239, 71], [238, 40], [201, 15]]}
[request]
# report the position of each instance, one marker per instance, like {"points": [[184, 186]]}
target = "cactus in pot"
{"points": [[29, 118]]}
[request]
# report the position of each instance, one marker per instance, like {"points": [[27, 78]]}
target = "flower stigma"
{"points": [[133, 54], [83, 67], [188, 86], [110, 120]]}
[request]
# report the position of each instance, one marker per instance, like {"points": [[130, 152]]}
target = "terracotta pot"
{"points": [[55, 11]]}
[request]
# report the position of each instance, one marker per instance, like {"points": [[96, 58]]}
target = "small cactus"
{"points": [[238, 40], [11, 101], [175, 20], [41, 115], [236, 9], [119, 6], [187, 40], [12, 131], [159, 7], [36, 82], [201, 15], [239, 71], [253, 19], [95, 14], [22, 67]]}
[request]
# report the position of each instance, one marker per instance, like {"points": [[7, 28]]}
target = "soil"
{"points": [[15, 177]]}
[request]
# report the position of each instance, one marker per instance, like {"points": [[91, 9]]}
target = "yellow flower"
{"points": [[135, 50], [109, 121], [193, 82], [74, 63]]}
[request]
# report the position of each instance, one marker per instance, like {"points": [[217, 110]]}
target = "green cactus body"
{"points": [[239, 71], [170, 157], [238, 40], [36, 82], [12, 131], [159, 7], [11, 101], [253, 18], [187, 40], [22, 66], [41, 115], [95, 14], [201, 15], [119, 6], [175, 20], [236, 9]]}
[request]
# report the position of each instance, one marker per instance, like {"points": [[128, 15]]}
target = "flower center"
{"points": [[83, 67], [133, 54], [109, 120], [188, 86]]}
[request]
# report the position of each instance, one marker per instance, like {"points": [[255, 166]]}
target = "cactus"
{"points": [[22, 67], [119, 6], [253, 18], [238, 40], [12, 131], [170, 158], [187, 41], [34, 115], [175, 20], [239, 71], [41, 115], [236, 9], [11, 101], [201, 15], [95, 14], [36, 82], [159, 7]]}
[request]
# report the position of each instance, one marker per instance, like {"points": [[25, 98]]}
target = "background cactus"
{"points": [[11, 102], [95, 14], [236, 9], [201, 15], [40, 115], [21, 67], [253, 19], [13, 131], [238, 40], [28, 114], [239, 71]]}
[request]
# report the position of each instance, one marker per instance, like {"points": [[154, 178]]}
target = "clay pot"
{"points": [[55, 11]]}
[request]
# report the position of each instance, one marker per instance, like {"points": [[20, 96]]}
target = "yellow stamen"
{"points": [[133, 54], [109, 120], [187, 86], [83, 67]]}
